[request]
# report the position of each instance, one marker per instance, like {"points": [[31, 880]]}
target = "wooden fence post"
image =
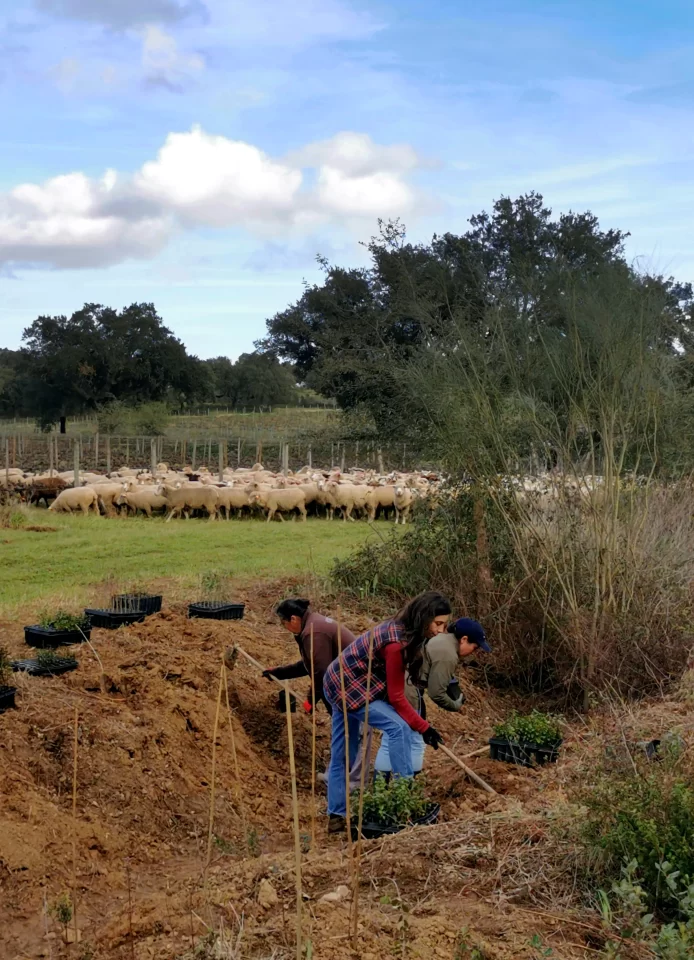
{"points": [[96, 450], [356, 454], [221, 462], [310, 457], [153, 455], [14, 451], [342, 461], [7, 462], [238, 452], [108, 453], [50, 454], [381, 468], [195, 450], [127, 451], [285, 458], [76, 463]]}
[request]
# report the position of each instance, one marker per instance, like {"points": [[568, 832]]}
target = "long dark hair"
{"points": [[295, 607], [416, 617]]}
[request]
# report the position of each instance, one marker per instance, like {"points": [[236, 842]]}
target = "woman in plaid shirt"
{"points": [[387, 652]]}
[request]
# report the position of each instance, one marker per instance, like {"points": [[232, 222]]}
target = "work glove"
{"points": [[268, 674], [432, 737]]}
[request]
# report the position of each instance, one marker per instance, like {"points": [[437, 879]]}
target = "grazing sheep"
{"points": [[233, 498], [277, 501], [187, 498], [76, 498], [144, 498], [380, 498], [347, 497]]}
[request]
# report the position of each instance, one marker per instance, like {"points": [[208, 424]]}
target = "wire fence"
{"points": [[104, 453]]}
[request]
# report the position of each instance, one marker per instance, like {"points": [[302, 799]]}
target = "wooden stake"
{"points": [[212, 777], [297, 836], [74, 826], [313, 749], [364, 763], [237, 774], [348, 805]]}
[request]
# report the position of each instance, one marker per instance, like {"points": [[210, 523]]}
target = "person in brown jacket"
{"points": [[297, 617]]}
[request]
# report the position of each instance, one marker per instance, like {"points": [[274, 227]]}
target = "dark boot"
{"points": [[337, 824]]}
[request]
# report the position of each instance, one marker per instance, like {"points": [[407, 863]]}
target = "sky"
{"points": [[199, 154]]}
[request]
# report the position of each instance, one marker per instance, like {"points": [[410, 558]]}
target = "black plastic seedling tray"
{"points": [[136, 603], [523, 754], [48, 637], [374, 830], [7, 697], [112, 619], [61, 665], [216, 610]]}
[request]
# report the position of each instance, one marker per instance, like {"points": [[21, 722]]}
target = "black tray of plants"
{"points": [[391, 806], [58, 630], [6, 691], [112, 619], [216, 610], [47, 664], [147, 603], [528, 741]]}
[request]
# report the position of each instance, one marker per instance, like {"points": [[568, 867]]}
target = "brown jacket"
{"points": [[325, 650]]}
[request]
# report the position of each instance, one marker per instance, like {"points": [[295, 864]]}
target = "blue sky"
{"points": [[200, 153]]}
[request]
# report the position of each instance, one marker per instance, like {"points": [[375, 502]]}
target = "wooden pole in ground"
{"points": [[342, 461], [14, 451], [348, 806], [238, 452], [364, 762], [313, 748], [381, 468], [7, 462], [310, 457], [221, 462], [297, 835], [96, 450], [76, 462], [74, 825], [210, 830], [108, 453], [235, 759], [153, 455], [50, 455], [195, 450]]}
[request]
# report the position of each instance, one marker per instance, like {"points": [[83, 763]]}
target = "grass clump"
{"points": [[63, 620], [394, 803], [538, 728], [5, 667]]}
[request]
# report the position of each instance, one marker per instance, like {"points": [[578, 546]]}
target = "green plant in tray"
{"points": [[63, 620], [538, 728]]}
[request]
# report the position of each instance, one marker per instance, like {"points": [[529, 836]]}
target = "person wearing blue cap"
{"points": [[442, 656]]}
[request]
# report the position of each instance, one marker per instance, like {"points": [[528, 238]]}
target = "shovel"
{"points": [[231, 656]]}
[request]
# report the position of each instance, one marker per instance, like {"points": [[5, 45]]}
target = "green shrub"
{"points": [[63, 620], [644, 816], [50, 658], [393, 803], [539, 728]]}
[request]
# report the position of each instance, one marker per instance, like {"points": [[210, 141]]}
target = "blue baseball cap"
{"points": [[473, 630]]}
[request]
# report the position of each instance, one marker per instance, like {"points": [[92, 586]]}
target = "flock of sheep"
{"points": [[356, 494]]}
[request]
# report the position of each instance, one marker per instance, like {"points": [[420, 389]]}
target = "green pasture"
{"points": [[87, 556]]}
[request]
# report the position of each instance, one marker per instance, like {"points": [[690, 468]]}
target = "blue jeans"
{"points": [[381, 716]]}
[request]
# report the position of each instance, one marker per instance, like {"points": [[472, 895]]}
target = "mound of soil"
{"points": [[147, 699]]}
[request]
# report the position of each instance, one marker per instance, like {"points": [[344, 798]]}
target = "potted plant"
{"points": [[390, 806], [6, 691], [215, 589], [48, 663], [526, 739], [58, 629]]}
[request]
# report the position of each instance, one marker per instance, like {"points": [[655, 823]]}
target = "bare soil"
{"points": [[145, 721]]}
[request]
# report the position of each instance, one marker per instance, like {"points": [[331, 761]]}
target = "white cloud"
{"points": [[65, 74], [198, 179], [66, 222], [163, 62]]}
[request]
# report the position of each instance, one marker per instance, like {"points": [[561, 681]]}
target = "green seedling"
{"points": [[542, 729], [395, 803], [62, 620]]}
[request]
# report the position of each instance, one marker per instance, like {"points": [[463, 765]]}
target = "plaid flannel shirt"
{"points": [[355, 666]]}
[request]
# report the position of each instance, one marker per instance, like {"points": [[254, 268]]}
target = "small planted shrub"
{"points": [[7, 692], [395, 803], [541, 729], [49, 659]]}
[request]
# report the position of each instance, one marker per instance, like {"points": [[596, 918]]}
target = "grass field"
{"points": [[86, 552]]}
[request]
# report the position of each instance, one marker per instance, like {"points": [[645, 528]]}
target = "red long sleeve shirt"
{"points": [[395, 688]]}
